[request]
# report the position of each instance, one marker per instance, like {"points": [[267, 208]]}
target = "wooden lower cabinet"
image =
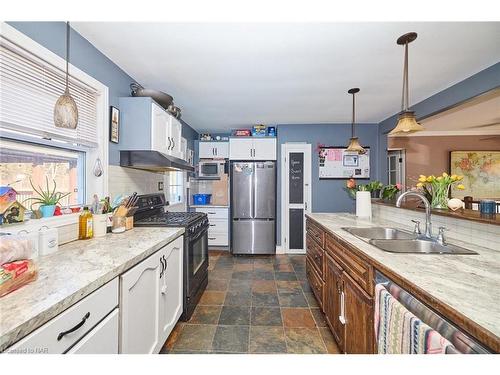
{"points": [[332, 301], [358, 314]]}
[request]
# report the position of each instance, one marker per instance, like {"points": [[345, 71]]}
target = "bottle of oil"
{"points": [[85, 224]]}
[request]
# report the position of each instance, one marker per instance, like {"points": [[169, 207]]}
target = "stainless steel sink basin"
{"points": [[383, 233], [419, 247]]}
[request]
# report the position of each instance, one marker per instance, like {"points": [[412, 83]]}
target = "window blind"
{"points": [[29, 89]]}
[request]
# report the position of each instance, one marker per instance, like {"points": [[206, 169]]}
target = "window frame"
{"points": [[182, 185], [93, 184]]}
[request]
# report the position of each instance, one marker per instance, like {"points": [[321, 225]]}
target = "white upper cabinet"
{"points": [[213, 150], [159, 129], [252, 148], [174, 137]]}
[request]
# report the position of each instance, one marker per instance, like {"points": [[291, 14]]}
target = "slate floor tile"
{"points": [[266, 316], [311, 299], [289, 286], [242, 275], [205, 315], [304, 340], [234, 315], [243, 267], [263, 275], [195, 337], [306, 288], [319, 317], [238, 298], [210, 297], [265, 299], [268, 286], [285, 276], [296, 318], [231, 339], [240, 285], [293, 299], [331, 345], [267, 340], [219, 285]]}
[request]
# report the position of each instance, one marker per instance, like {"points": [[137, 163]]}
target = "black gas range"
{"points": [[151, 213]]}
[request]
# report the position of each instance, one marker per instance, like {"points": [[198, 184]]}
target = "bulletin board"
{"points": [[337, 163]]}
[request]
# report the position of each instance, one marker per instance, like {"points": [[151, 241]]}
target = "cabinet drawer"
{"points": [[315, 255], [103, 339], [214, 213], [96, 306], [352, 264], [218, 239], [316, 232], [315, 282], [218, 226]]}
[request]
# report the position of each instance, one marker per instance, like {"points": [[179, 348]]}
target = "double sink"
{"points": [[398, 241]]}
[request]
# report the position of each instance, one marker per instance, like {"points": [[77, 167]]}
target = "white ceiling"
{"points": [[226, 75]]}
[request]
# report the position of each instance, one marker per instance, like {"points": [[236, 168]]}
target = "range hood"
{"points": [[152, 161]]}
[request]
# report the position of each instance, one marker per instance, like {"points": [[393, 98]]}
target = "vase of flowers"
{"points": [[437, 189]]}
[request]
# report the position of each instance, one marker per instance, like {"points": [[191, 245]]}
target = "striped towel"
{"points": [[398, 331]]}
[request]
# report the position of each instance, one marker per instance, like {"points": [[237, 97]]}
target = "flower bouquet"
{"points": [[371, 187], [437, 189], [388, 192]]}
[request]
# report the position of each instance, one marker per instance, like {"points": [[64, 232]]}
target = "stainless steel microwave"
{"points": [[211, 168]]}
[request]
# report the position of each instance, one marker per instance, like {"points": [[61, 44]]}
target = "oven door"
{"points": [[197, 270]]}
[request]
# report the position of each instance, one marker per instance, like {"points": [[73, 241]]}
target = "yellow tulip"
{"points": [[454, 177], [460, 178], [445, 174], [430, 178], [422, 179], [420, 185], [461, 187], [439, 178]]}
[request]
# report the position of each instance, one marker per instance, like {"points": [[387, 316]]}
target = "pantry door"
{"points": [[295, 195]]}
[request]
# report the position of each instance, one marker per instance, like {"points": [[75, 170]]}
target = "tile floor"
{"points": [[254, 305]]}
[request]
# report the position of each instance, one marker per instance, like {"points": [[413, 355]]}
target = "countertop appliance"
{"points": [[152, 212], [211, 168], [253, 207]]}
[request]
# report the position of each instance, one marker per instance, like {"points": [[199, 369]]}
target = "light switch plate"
{"points": [[160, 185]]}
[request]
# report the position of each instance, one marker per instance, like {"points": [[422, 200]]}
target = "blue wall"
{"points": [[327, 195], [52, 35], [479, 83]]}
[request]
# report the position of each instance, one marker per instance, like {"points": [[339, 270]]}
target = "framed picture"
{"points": [[481, 171], [114, 125], [335, 162]]}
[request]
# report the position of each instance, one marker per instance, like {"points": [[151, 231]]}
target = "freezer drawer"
{"points": [[254, 237]]}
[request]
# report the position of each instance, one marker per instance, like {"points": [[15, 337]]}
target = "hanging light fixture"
{"points": [[354, 145], [407, 122], [65, 110]]}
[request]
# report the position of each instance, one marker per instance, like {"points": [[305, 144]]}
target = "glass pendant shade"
{"points": [[354, 146], [407, 123], [65, 110]]}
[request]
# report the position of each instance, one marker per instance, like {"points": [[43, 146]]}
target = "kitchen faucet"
{"points": [[428, 224]]}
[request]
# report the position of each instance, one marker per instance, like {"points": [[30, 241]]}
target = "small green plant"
{"points": [[47, 197]]}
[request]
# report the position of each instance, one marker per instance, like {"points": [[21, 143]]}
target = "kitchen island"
{"points": [[74, 272], [462, 288]]}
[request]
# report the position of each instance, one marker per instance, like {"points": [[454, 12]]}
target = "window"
{"points": [[31, 80], [21, 161], [176, 187]]}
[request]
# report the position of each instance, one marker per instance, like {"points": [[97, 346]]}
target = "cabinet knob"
{"points": [[164, 289]]}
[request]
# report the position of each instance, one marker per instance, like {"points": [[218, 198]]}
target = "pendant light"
{"points": [[65, 110], [354, 145], [407, 122]]}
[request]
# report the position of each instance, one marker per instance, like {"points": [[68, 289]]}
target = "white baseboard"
{"points": [[280, 250], [295, 251]]}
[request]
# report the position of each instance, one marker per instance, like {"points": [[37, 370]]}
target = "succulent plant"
{"points": [[47, 197]]}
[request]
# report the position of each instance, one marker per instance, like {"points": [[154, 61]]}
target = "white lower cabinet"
{"points": [[103, 339], [218, 230], [151, 300]]}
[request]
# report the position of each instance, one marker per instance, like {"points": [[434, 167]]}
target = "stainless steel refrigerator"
{"points": [[253, 207]]}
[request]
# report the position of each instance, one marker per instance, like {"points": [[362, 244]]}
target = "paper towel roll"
{"points": [[363, 204]]}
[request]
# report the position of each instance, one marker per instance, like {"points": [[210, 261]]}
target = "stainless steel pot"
{"points": [[160, 97]]}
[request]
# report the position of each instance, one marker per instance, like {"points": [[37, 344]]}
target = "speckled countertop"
{"points": [[73, 272], [469, 284]]}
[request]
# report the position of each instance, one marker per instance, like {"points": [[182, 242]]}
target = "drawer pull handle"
{"points": [[211, 238], [211, 213], [78, 326], [212, 225]]}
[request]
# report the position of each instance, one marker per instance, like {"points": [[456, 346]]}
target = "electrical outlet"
{"points": [[160, 185]]}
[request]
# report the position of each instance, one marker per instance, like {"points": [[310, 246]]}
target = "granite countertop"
{"points": [[469, 284], [73, 272]]}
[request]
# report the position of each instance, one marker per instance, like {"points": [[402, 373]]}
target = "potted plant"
{"points": [[47, 199], [388, 192], [437, 189]]}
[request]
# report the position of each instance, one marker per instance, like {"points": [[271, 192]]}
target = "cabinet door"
{"points": [[103, 339], [159, 129], [241, 149], [175, 136], [140, 292], [221, 150], [171, 289], [264, 149], [358, 313], [206, 150], [332, 300]]}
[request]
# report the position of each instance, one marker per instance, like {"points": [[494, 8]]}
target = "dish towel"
{"points": [[398, 331]]}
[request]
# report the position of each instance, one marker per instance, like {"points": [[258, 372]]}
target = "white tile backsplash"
{"points": [[487, 235], [125, 181]]}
